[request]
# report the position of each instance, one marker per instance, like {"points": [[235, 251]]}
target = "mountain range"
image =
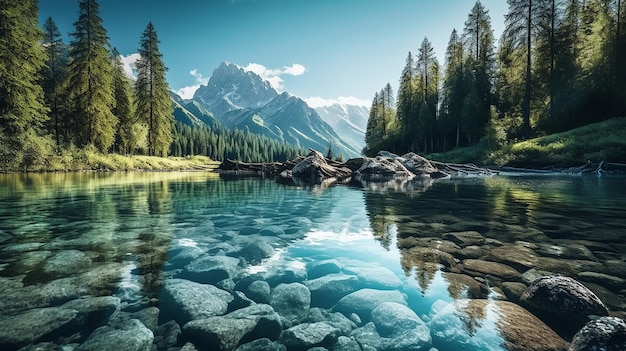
{"points": [[236, 98]]}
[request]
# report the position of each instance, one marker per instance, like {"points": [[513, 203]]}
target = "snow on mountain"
{"points": [[349, 121]]}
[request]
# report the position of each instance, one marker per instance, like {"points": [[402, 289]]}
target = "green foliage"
{"points": [[89, 81], [53, 75], [21, 60], [126, 138], [154, 107]]}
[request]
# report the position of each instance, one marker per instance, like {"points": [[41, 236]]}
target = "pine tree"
{"points": [[154, 107], [90, 80], [373, 130], [22, 58], [427, 93], [454, 90], [124, 110], [405, 103], [53, 76]]}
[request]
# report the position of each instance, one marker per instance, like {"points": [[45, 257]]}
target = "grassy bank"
{"points": [[604, 141], [90, 160]]}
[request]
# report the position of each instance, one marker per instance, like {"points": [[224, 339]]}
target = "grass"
{"points": [[603, 141]]}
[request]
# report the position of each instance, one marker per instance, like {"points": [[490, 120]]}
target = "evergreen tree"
{"points": [[405, 103], [22, 58], [427, 93], [154, 107], [453, 90], [53, 76], [126, 138], [89, 80], [373, 130]]}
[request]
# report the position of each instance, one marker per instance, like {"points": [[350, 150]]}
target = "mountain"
{"points": [[191, 112], [349, 121], [233, 88], [241, 99], [290, 119]]}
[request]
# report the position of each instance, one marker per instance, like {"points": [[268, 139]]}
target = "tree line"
{"points": [[559, 64], [56, 97]]}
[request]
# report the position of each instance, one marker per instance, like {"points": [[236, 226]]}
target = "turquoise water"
{"points": [[123, 236]]}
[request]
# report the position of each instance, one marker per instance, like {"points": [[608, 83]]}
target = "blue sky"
{"points": [[319, 50]]}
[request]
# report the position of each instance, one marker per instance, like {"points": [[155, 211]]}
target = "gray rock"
{"points": [[607, 280], [166, 335], [392, 318], [345, 343], [148, 316], [259, 291], [368, 337], [376, 277], [186, 300], [27, 328], [273, 230], [130, 335], [513, 290], [417, 339], [363, 301], [285, 275], [328, 289], [264, 344], [420, 166], [93, 310], [308, 335], [604, 333], [467, 238], [211, 269], [256, 252], [563, 303], [291, 301], [238, 327], [240, 300], [184, 255], [63, 264], [514, 255], [321, 268], [493, 269], [382, 169]]}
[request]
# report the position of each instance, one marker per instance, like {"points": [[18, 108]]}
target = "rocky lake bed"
{"points": [[294, 274]]}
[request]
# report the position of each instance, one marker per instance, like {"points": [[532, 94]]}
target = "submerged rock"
{"points": [[291, 301], [259, 291], [264, 344], [563, 303], [130, 335], [363, 301], [483, 324], [604, 333], [327, 290], [27, 328], [392, 318], [307, 335], [211, 269], [186, 300]]}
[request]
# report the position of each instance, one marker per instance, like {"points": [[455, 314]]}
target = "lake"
{"points": [[164, 260]]}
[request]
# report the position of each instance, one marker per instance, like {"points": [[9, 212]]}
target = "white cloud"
{"points": [[274, 75], [188, 91], [318, 101], [129, 65]]}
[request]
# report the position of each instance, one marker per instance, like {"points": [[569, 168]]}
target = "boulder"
{"points": [[417, 339], [473, 324], [307, 335], [64, 263], [256, 251], [345, 343], [211, 269], [27, 328], [563, 303], [259, 291], [486, 268], [321, 268], [375, 277], [382, 169], [363, 301], [604, 333], [392, 318], [186, 300], [291, 301], [368, 337], [465, 238], [166, 335], [93, 310], [236, 328], [328, 289], [516, 256], [130, 335], [264, 344], [314, 169]]}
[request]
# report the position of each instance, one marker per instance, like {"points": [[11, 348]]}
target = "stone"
{"points": [[604, 333], [466, 238], [382, 169], [148, 316], [166, 335], [308, 335], [321, 268], [473, 324], [27, 328], [264, 344], [363, 301], [493, 269], [291, 301], [416, 339], [563, 303], [183, 256], [259, 291], [211, 269], [513, 290], [238, 327], [516, 256], [392, 318], [368, 337], [420, 166], [273, 230], [256, 251], [64, 263], [345, 343], [375, 277], [93, 310], [328, 289], [607, 280], [130, 335], [185, 300], [314, 169], [464, 286], [240, 300], [285, 275], [533, 274], [471, 251]]}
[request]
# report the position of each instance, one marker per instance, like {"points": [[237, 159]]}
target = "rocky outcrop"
{"points": [[563, 303]]}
